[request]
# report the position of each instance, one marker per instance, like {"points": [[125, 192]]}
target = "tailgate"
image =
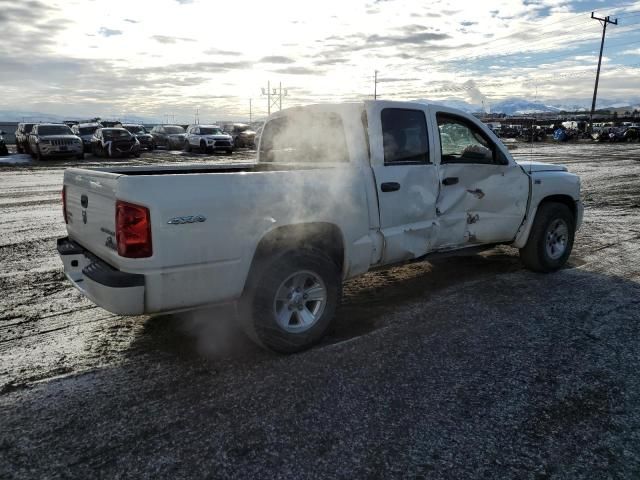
{"points": [[91, 200]]}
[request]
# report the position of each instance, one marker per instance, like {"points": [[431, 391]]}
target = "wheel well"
{"points": [[325, 237], [565, 200]]}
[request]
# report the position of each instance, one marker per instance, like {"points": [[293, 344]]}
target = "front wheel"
{"points": [[551, 239], [187, 146], [290, 301], [39, 156]]}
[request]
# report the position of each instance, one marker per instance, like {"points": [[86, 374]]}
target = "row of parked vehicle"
{"points": [[115, 139]]}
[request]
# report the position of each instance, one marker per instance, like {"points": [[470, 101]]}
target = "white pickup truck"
{"points": [[337, 190]]}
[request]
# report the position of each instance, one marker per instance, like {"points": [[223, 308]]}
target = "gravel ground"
{"points": [[463, 367]]}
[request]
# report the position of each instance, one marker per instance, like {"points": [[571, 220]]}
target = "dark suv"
{"points": [[22, 137], [170, 136], [138, 131], [85, 131]]}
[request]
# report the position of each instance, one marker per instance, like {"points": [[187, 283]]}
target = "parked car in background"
{"points": [[138, 131], [114, 142], [48, 140], [111, 123], [85, 131], [207, 139], [4, 151], [241, 134], [169, 136], [22, 137]]}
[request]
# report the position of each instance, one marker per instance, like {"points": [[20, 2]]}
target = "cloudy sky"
{"points": [[153, 58]]}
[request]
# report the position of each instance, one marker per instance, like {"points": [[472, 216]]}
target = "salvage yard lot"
{"points": [[460, 367]]}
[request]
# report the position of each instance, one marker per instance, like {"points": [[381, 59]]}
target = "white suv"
{"points": [[207, 138]]}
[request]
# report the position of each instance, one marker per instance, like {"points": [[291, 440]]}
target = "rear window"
{"points": [[173, 130], [304, 137]]}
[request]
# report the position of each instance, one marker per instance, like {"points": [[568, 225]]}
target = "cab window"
{"points": [[404, 136], [463, 142]]}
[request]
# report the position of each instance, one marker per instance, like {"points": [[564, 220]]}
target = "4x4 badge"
{"points": [[187, 219]]}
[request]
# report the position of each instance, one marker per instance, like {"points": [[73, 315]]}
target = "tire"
{"points": [[236, 143], [551, 239], [229, 151], [39, 156], [203, 147], [4, 151], [137, 155], [152, 146], [187, 146], [19, 149], [81, 156], [276, 324]]}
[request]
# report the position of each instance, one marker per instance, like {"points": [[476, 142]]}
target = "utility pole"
{"points": [[274, 97], [375, 84], [604, 21]]}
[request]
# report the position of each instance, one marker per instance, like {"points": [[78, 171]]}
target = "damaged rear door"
{"points": [[406, 178], [483, 192]]}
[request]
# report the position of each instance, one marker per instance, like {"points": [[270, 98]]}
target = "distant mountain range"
{"points": [[20, 115], [519, 106], [511, 106]]}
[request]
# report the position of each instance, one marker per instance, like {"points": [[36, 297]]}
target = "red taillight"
{"points": [[133, 230], [64, 203]]}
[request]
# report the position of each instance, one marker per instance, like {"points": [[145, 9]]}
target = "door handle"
{"points": [[390, 186], [450, 181]]}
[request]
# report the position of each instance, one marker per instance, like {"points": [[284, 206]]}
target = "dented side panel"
{"points": [[487, 205]]}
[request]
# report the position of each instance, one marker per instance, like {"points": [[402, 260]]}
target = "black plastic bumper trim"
{"points": [[108, 276], [99, 271], [68, 247]]}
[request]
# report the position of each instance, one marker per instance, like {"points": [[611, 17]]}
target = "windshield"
{"points": [[87, 130], [115, 134], [304, 137], [174, 130], [54, 130], [136, 128], [210, 131]]}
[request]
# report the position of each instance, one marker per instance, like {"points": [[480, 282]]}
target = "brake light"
{"points": [[133, 230], [64, 203]]}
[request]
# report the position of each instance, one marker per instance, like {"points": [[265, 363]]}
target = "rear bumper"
{"points": [[118, 292]]}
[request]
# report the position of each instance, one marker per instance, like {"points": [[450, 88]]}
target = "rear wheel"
{"points": [[290, 301], [551, 239]]}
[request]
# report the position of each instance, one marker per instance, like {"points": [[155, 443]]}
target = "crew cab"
{"points": [[337, 190], [48, 140], [207, 139]]}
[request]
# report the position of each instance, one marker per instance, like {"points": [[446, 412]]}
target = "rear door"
{"points": [[484, 193], [91, 210], [406, 178]]}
